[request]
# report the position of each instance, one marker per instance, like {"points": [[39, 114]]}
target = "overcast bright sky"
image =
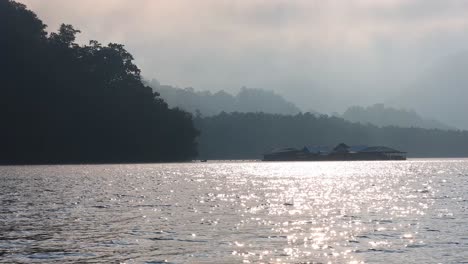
{"points": [[323, 55]]}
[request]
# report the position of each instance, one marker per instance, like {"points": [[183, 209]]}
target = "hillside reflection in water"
{"points": [[231, 212]]}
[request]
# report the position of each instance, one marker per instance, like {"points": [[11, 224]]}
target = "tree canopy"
{"points": [[65, 102]]}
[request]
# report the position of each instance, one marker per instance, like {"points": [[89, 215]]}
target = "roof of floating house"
{"points": [[325, 150], [318, 149], [380, 149], [357, 148], [282, 150], [352, 149], [341, 148]]}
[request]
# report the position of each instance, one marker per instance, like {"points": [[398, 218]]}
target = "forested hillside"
{"points": [[61, 102], [249, 135]]}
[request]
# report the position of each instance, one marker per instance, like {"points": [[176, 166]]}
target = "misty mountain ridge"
{"points": [[441, 91], [207, 103], [247, 100], [380, 115]]}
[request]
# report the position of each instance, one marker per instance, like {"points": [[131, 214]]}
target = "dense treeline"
{"points": [[63, 102], [207, 103], [249, 135]]}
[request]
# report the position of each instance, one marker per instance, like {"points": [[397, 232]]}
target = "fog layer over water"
{"points": [[377, 212], [320, 55]]}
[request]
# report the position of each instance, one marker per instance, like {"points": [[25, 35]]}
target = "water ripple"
{"points": [[233, 212]]}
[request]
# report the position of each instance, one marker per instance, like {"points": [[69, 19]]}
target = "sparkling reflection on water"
{"points": [[234, 212]]}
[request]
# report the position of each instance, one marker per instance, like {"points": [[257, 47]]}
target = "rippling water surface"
{"points": [[232, 212]]}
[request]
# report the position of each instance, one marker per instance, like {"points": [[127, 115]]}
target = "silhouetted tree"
{"points": [[63, 102]]}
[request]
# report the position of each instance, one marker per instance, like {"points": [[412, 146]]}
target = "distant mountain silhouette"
{"points": [[441, 92], [207, 103], [380, 115]]}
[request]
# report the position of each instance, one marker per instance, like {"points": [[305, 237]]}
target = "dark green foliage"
{"points": [[61, 102], [249, 135]]}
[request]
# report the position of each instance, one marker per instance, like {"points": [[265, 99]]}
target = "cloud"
{"points": [[322, 54]]}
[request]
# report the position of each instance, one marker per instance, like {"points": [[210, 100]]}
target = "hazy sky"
{"points": [[323, 55]]}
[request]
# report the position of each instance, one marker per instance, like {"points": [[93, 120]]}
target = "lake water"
{"points": [[411, 211]]}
